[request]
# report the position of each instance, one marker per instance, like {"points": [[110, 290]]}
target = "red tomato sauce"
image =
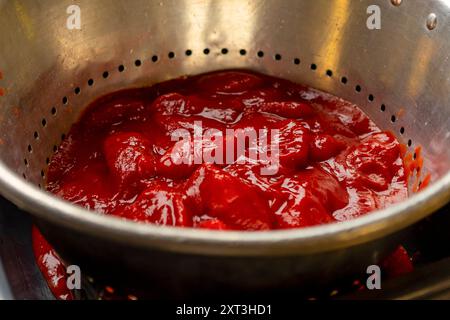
{"points": [[335, 164]]}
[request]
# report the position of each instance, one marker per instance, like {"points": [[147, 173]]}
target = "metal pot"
{"points": [[398, 74]]}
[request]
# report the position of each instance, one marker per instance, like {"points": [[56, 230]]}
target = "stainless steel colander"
{"points": [[398, 74]]}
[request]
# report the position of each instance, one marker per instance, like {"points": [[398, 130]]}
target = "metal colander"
{"points": [[397, 74]]}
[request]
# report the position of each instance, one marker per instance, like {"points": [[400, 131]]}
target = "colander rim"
{"points": [[377, 224]]}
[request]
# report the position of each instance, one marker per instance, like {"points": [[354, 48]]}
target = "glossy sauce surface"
{"points": [[335, 164]]}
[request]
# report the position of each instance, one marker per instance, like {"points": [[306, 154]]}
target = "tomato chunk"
{"points": [[159, 205], [129, 156], [220, 195]]}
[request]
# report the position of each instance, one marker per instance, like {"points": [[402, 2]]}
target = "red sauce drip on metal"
{"points": [[51, 266]]}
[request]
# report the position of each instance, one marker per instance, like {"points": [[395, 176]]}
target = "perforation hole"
{"points": [[121, 68], [329, 73], [224, 51], [171, 55], [206, 51], [313, 66], [260, 54], [242, 52], [297, 61], [155, 58], [278, 57]]}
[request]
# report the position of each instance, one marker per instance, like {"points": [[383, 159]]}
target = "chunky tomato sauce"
{"points": [[334, 163]]}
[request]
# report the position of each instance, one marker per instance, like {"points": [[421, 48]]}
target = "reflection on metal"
{"points": [[336, 16], [420, 66], [25, 19]]}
